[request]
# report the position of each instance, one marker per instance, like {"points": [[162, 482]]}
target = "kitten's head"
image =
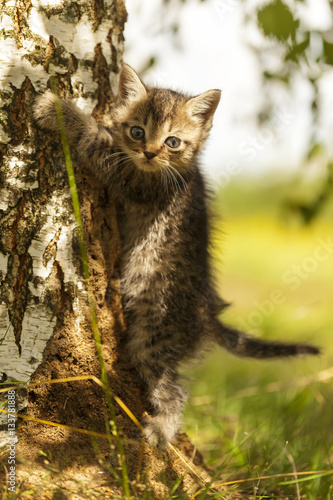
{"points": [[158, 128]]}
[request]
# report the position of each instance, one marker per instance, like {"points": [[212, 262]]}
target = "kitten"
{"points": [[149, 161]]}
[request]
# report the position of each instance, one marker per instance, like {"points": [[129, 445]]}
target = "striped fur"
{"points": [[169, 302]]}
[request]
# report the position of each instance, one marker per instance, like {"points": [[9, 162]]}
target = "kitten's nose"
{"points": [[149, 155]]}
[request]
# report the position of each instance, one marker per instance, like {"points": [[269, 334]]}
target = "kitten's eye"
{"points": [[137, 133], [173, 142]]}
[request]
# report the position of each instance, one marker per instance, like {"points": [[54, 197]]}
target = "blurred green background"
{"points": [[253, 417]]}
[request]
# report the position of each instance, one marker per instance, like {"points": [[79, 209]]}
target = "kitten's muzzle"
{"points": [[149, 155]]}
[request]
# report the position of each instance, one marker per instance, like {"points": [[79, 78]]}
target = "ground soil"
{"points": [[69, 455]]}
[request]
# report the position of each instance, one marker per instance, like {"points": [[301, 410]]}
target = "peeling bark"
{"points": [[41, 286]]}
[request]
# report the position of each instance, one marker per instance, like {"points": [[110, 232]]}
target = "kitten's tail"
{"points": [[240, 344]]}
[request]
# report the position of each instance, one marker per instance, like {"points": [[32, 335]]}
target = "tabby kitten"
{"points": [[149, 161]]}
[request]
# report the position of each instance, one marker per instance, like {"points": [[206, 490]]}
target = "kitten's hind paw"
{"points": [[159, 431], [154, 435]]}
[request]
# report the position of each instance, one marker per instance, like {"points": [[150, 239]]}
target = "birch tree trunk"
{"points": [[42, 291]]}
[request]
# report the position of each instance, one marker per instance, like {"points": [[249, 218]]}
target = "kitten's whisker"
{"points": [[165, 181], [174, 170], [118, 153], [169, 178], [179, 174], [103, 165], [106, 164], [177, 186], [113, 155], [123, 161]]}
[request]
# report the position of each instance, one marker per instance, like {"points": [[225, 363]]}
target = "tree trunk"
{"points": [[41, 281], [45, 328]]}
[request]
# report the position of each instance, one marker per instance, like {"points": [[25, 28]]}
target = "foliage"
{"points": [[276, 21], [304, 53], [287, 50]]}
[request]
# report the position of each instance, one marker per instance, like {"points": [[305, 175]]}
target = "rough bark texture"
{"points": [[80, 44], [44, 318]]}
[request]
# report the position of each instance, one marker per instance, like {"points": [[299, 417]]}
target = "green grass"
{"points": [[291, 428], [110, 425]]}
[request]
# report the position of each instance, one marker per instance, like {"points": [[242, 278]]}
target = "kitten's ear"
{"points": [[204, 105], [130, 85]]}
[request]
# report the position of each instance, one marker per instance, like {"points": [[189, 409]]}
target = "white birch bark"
{"points": [[81, 44]]}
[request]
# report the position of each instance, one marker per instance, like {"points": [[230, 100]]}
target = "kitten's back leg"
{"points": [[167, 397]]}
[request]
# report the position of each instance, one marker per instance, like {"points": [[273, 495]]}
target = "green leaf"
{"points": [[176, 484], [298, 50], [315, 150], [282, 77], [308, 478], [277, 21], [328, 52]]}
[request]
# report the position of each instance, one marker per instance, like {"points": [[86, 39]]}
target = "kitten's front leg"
{"points": [[91, 142]]}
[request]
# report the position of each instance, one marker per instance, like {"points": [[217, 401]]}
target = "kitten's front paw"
{"points": [[45, 111]]}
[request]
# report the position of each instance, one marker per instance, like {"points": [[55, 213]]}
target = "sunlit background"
{"points": [[197, 45], [269, 159]]}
